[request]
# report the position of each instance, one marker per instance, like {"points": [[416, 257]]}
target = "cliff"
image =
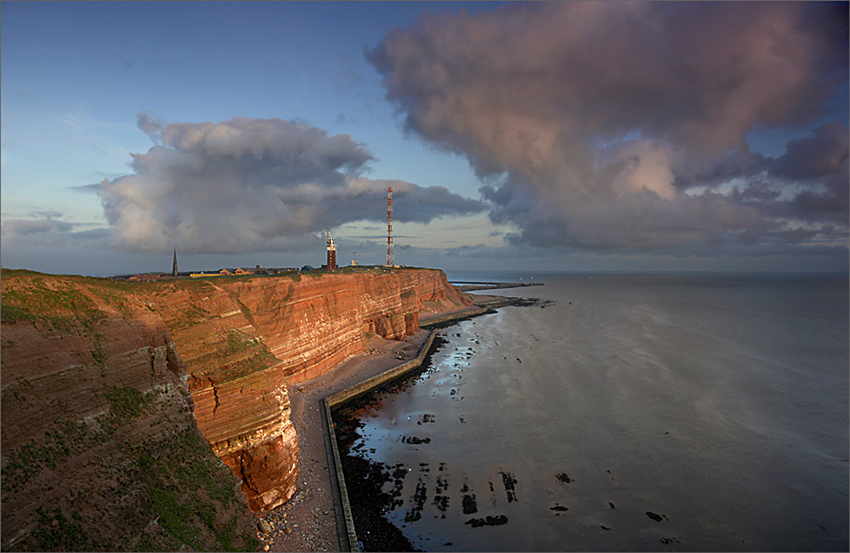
{"points": [[245, 341], [218, 354], [100, 450]]}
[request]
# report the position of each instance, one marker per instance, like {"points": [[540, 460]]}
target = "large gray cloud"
{"points": [[251, 185], [612, 125]]}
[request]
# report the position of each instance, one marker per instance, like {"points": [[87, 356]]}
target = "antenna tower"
{"points": [[390, 248]]}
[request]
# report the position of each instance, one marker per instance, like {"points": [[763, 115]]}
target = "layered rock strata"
{"points": [[99, 441], [242, 342], [64, 343]]}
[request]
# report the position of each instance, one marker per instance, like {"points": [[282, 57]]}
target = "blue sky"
{"points": [[513, 137]]}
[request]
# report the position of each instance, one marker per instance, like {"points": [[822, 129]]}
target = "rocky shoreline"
{"points": [[308, 522]]}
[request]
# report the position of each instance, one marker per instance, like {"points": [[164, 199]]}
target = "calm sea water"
{"points": [[658, 412]]}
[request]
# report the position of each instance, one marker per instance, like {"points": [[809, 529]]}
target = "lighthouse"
{"points": [[331, 252]]}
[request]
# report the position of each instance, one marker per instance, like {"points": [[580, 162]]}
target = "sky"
{"points": [[539, 136]]}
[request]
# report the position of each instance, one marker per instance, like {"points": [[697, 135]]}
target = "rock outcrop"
{"points": [[100, 450], [227, 348], [245, 341]]}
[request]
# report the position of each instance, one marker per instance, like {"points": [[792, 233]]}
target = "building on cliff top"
{"points": [[331, 252]]}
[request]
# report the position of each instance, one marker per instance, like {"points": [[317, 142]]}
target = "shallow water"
{"points": [[677, 412]]}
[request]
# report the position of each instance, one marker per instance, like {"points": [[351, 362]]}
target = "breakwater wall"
{"points": [[345, 526], [454, 317], [470, 286], [345, 523]]}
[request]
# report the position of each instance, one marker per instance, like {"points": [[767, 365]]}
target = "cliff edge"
{"points": [[209, 357]]}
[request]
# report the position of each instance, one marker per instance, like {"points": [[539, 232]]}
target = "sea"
{"points": [[620, 412]]}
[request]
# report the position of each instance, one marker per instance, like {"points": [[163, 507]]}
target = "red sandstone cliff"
{"points": [[245, 340], [99, 441], [64, 342], [236, 344]]}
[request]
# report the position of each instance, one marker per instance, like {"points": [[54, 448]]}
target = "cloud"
{"points": [[39, 240], [24, 227], [93, 188], [822, 154], [150, 125], [622, 125], [253, 185], [47, 214]]}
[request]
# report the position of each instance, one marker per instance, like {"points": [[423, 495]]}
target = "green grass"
{"points": [[65, 439], [38, 301], [174, 475], [12, 313], [65, 535], [185, 464], [127, 402]]}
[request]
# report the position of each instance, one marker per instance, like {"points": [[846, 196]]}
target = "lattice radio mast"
{"points": [[390, 248]]}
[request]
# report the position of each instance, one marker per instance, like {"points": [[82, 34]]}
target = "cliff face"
{"points": [[98, 436], [235, 345], [245, 341], [68, 344]]}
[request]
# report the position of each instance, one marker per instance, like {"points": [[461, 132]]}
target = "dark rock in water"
{"points": [[563, 478], [442, 504], [611, 505], [470, 506], [442, 484], [369, 502], [419, 498], [604, 527], [488, 521], [558, 507], [656, 517], [425, 419], [416, 441], [509, 481]]}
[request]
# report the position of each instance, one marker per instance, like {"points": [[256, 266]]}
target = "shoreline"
{"points": [[309, 520]]}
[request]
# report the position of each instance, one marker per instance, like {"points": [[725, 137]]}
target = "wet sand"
{"points": [[307, 522]]}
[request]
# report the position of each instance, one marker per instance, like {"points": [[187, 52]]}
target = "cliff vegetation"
{"points": [[153, 416]]}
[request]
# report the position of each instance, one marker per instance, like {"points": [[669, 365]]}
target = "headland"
{"points": [[100, 378]]}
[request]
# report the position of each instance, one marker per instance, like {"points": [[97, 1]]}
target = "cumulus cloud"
{"points": [[622, 125], [34, 237], [253, 184], [43, 227], [822, 154]]}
